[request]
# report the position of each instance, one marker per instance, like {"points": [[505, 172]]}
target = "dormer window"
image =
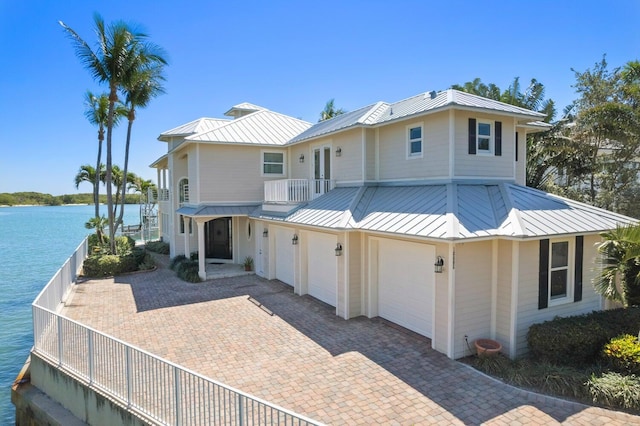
{"points": [[414, 141], [485, 137]]}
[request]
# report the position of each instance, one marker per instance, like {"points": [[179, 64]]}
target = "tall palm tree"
{"points": [[87, 173], [143, 86], [330, 111], [122, 51], [96, 112], [619, 278]]}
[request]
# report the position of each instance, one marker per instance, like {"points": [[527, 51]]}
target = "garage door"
{"points": [[405, 284], [322, 267], [284, 255]]}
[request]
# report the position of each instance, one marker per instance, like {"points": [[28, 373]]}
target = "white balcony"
{"points": [[295, 191]]}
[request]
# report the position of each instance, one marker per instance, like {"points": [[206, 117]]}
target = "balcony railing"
{"points": [[163, 392], [296, 190]]}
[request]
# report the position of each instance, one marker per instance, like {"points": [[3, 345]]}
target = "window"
{"points": [[485, 138], [183, 191], [273, 163], [559, 270], [414, 141]]}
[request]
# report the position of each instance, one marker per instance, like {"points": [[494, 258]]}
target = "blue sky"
{"points": [[288, 56]]}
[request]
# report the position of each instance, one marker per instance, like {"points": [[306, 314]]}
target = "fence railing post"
{"points": [[127, 354], [60, 346], [90, 355], [240, 410], [178, 391]]}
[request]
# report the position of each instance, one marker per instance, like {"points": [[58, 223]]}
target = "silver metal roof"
{"points": [[196, 126], [217, 210], [383, 112], [243, 107], [262, 127], [455, 211]]}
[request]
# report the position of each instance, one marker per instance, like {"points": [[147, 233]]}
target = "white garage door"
{"points": [[322, 267], [405, 284], [284, 254]]}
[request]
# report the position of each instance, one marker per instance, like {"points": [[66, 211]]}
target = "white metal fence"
{"points": [[295, 190], [160, 390]]}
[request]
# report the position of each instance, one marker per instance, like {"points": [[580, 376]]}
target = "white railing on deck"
{"points": [[295, 190], [160, 390]]}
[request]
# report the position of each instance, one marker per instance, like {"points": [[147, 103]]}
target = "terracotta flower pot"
{"points": [[488, 347]]}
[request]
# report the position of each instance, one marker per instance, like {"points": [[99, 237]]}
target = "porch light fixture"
{"points": [[339, 152], [265, 233], [338, 249], [294, 240], [438, 265], [301, 159]]}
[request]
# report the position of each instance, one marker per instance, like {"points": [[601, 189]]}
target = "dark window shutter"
{"points": [[577, 289], [472, 136], [498, 138], [543, 275], [516, 146]]}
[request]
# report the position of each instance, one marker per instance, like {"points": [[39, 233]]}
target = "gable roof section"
{"points": [[262, 127], [196, 126], [456, 211]]}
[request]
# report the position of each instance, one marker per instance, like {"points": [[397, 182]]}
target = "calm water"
{"points": [[34, 243]]}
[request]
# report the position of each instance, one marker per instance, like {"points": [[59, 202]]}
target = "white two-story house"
{"points": [[414, 211]]}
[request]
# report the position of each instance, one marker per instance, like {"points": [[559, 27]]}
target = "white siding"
{"points": [[528, 312], [348, 167], [435, 149], [355, 275], [503, 299], [472, 295], [370, 152], [521, 164], [483, 166]]}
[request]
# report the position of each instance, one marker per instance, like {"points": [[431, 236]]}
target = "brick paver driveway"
{"points": [[306, 359]]}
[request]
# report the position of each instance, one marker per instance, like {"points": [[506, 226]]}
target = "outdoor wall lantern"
{"points": [[265, 233], [301, 159], [294, 240], [338, 249], [439, 264], [339, 152]]}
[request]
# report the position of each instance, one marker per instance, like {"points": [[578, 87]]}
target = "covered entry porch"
{"points": [[224, 235]]}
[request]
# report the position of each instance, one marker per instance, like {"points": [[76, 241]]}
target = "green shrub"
{"points": [[146, 263], [622, 353], [194, 256], [578, 340], [102, 266], [176, 261], [124, 245], [188, 271], [158, 247], [615, 390]]}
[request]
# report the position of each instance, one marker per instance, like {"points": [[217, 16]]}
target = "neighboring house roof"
{"points": [[262, 127], [196, 126], [455, 211], [382, 112]]}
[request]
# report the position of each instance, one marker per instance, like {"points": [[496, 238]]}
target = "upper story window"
{"points": [[414, 141], [183, 191], [273, 163], [485, 137]]}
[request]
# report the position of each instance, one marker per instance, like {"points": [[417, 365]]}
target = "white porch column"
{"points": [[185, 225], [202, 270]]}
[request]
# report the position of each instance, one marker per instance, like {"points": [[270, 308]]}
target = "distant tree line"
{"points": [[40, 199]]}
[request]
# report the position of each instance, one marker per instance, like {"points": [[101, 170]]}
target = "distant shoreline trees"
{"points": [[42, 199]]}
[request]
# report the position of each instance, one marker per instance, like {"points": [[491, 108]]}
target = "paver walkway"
{"points": [[306, 359]]}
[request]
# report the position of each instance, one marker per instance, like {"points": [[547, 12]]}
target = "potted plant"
{"points": [[248, 263]]}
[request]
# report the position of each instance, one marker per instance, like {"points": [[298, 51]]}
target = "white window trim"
{"points": [[570, 272], [284, 163], [407, 133], [180, 193], [492, 137]]}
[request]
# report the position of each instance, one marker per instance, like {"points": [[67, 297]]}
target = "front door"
{"points": [[321, 170], [218, 238]]}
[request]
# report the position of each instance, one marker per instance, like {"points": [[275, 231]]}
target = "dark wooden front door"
{"points": [[218, 238]]}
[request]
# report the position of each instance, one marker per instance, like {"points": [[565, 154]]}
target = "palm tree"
{"points": [[330, 111], [144, 86], [96, 112], [86, 173], [97, 223], [619, 278], [121, 53]]}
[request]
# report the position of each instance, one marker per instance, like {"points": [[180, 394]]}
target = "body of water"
{"points": [[34, 243]]}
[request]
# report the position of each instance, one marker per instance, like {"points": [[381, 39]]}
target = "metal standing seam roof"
{"points": [[196, 126], [477, 210], [262, 127]]}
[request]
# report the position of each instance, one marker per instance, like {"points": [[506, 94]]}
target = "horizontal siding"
{"points": [[528, 312], [521, 170], [503, 302], [440, 338], [488, 166], [370, 152], [355, 276], [435, 146], [347, 167], [472, 294], [233, 173]]}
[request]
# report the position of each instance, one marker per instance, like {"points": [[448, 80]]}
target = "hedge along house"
{"points": [[413, 211]]}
